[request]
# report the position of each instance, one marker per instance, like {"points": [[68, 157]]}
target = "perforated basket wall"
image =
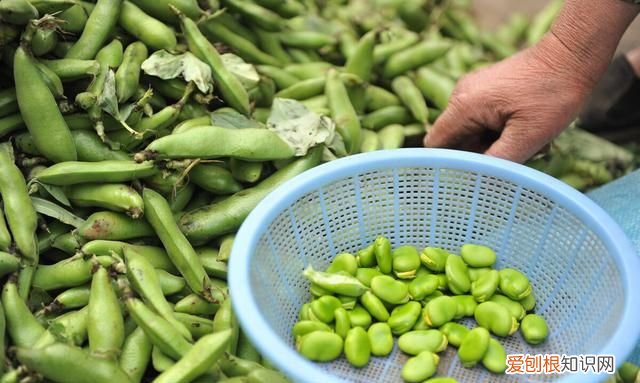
{"points": [[576, 274]]}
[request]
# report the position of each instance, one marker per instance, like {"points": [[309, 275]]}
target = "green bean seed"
{"points": [[474, 346], [390, 290], [466, 306], [344, 262], [381, 339], [404, 317], [324, 308], [454, 332], [496, 318], [514, 284], [415, 342], [457, 275], [534, 329], [320, 346], [476, 273], [374, 306], [529, 302], [365, 275], [478, 255], [514, 307], [422, 286], [420, 367], [485, 286], [495, 359], [384, 257], [439, 311], [406, 262], [359, 316], [357, 347], [343, 323], [434, 258], [366, 257]]}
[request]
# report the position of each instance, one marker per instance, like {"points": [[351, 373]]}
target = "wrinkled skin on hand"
{"points": [[511, 109]]}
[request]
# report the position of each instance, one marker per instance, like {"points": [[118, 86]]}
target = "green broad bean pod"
{"points": [[342, 111], [205, 352], [136, 355], [152, 32], [226, 216], [18, 209], [104, 314], [71, 173], [128, 74], [117, 197], [416, 56], [248, 144], [40, 111], [232, 90], [100, 23], [113, 226], [61, 362]]}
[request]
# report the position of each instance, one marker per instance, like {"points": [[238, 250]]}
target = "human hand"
{"points": [[514, 108]]}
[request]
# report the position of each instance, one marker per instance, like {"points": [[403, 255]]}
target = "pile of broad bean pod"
{"points": [[138, 135]]}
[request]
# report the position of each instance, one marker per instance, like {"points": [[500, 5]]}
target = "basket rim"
{"points": [[277, 351]]}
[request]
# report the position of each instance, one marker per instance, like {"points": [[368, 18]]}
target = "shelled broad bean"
{"points": [[407, 300], [139, 134]]}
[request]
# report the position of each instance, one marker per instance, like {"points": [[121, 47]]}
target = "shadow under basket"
{"points": [[584, 272]]}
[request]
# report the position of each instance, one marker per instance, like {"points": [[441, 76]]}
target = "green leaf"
{"points": [[52, 210], [230, 118], [108, 100], [301, 128], [246, 73], [167, 66], [56, 192], [198, 72]]}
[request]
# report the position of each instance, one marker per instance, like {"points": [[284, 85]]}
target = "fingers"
{"points": [[449, 130], [514, 145]]}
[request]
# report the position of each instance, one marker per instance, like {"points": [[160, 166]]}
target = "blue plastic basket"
{"points": [[583, 269]]}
